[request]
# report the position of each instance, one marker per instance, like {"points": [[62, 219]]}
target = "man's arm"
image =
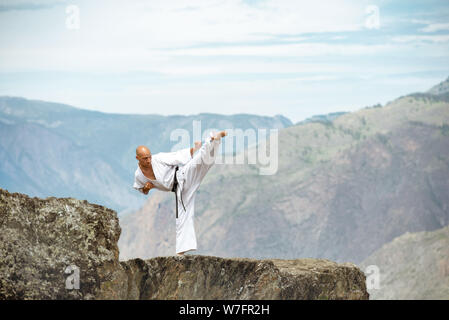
{"points": [[142, 188], [146, 188]]}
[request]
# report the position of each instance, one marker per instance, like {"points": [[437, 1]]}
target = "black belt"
{"points": [[174, 189]]}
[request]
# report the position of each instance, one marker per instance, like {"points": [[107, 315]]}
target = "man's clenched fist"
{"points": [[148, 186]]}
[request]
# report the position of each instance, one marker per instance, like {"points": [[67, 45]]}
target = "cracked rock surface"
{"points": [[46, 244]]}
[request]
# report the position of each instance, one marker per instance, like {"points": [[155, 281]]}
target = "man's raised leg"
{"points": [[192, 174], [195, 170]]}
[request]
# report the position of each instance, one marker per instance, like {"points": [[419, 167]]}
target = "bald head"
{"points": [[142, 151], [143, 155]]}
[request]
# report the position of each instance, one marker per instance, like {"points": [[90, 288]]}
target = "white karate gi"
{"points": [[189, 175]]}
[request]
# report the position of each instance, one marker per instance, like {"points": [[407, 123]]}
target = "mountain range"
{"points": [[53, 149]]}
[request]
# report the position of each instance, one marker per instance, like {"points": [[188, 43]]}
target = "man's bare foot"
{"points": [[197, 145], [195, 148], [180, 254], [219, 135]]}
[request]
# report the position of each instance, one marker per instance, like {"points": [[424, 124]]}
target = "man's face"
{"points": [[144, 157], [145, 160]]}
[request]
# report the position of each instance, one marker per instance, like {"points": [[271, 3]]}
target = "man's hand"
{"points": [[148, 186]]}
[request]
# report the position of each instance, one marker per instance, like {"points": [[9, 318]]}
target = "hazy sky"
{"points": [[295, 58]]}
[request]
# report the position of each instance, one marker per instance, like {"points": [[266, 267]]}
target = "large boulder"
{"points": [[207, 277], [42, 238], [49, 246]]}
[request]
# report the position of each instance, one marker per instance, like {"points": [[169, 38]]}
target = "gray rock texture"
{"points": [[41, 238], [207, 277]]}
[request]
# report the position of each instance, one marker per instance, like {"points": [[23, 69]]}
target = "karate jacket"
{"points": [[164, 164]]}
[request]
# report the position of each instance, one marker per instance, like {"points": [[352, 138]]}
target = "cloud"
{"points": [[234, 21], [171, 36], [435, 27], [422, 38], [25, 6], [189, 61], [199, 38], [283, 50]]}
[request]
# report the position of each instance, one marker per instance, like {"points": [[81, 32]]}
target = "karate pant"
{"points": [[189, 177]]}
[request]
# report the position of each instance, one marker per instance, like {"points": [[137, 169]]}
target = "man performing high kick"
{"points": [[160, 171]]}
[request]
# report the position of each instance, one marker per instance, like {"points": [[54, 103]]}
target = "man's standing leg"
{"points": [[191, 175]]}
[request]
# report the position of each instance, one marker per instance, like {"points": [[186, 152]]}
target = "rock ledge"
{"points": [[41, 238]]}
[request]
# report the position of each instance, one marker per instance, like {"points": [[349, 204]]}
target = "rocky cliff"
{"points": [[64, 248]]}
